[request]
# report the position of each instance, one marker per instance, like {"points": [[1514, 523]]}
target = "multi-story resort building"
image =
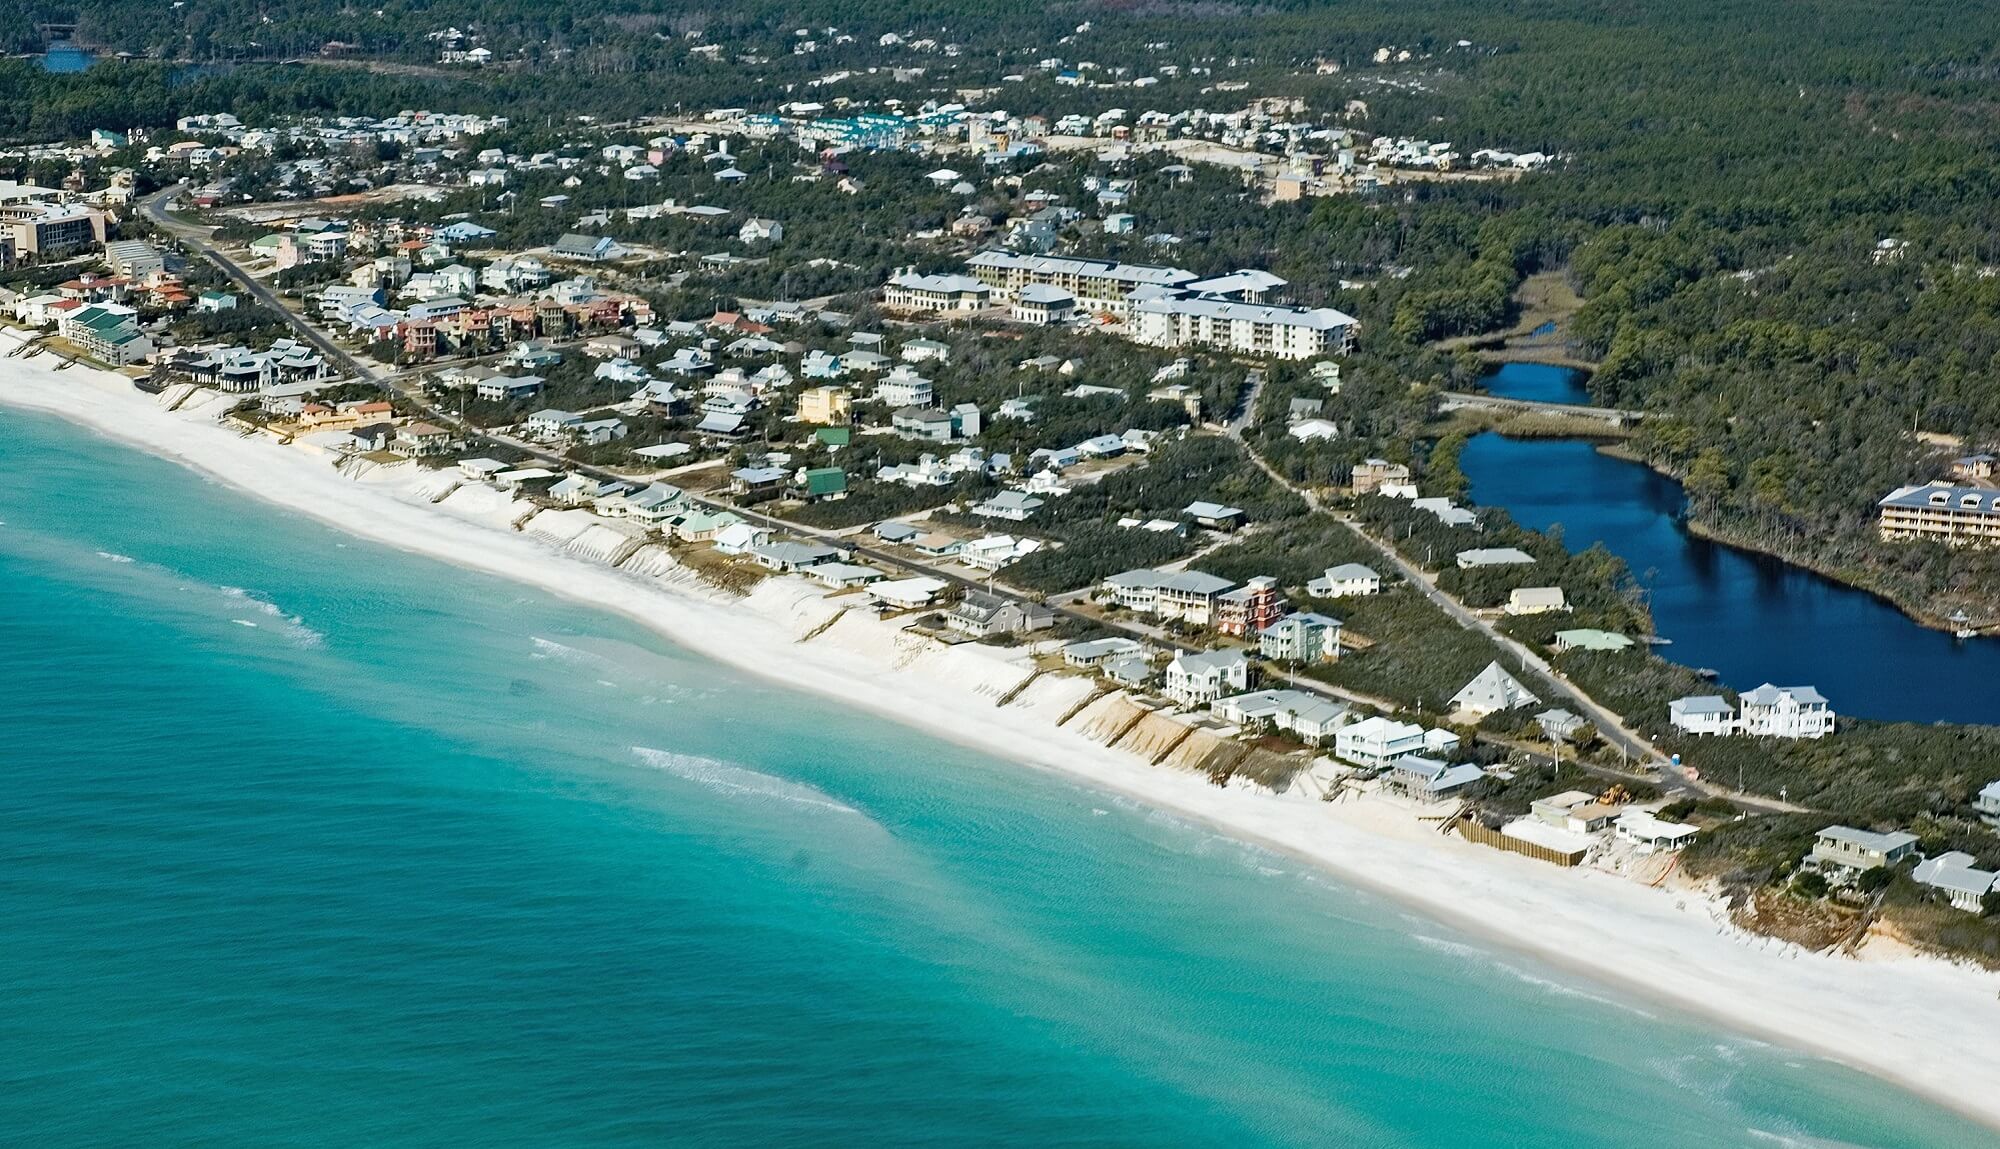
{"points": [[1941, 512], [913, 293], [1271, 329], [1098, 285]]}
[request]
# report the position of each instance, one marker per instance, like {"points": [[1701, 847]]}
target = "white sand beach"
{"points": [[1929, 1025]]}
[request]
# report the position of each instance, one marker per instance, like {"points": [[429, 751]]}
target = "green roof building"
{"points": [[824, 482]]}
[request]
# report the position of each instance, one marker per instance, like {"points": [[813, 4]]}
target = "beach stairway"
{"points": [[1054, 698], [605, 540], [1108, 718], [174, 397], [652, 560], [823, 626], [1153, 737], [1268, 768], [1020, 687], [1083, 704]]}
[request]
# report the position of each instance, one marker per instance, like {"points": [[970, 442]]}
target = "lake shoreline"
{"points": [[1666, 946], [1846, 577]]}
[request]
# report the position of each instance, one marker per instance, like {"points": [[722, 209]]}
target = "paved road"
{"points": [[1609, 725], [195, 238], [409, 385]]}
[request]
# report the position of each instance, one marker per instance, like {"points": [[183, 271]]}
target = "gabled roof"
{"points": [[1769, 695], [1696, 704], [1869, 840]]}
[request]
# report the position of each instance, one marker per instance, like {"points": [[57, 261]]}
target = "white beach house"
{"points": [[1702, 714], [1199, 679], [1786, 712], [1345, 580]]}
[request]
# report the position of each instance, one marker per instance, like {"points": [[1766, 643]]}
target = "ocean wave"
{"points": [[113, 556], [1797, 1140], [292, 626], [1473, 953], [550, 648], [1455, 949], [741, 781]]}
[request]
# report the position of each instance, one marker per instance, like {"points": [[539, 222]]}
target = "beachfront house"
{"points": [[981, 614], [791, 556], [1955, 876], [906, 593], [843, 576], [1429, 779], [1988, 803], [1308, 716], [654, 503], [1376, 742], [423, 440], [1700, 714], [1199, 679], [1653, 833], [1099, 650], [1345, 580], [1786, 712], [1848, 849]]}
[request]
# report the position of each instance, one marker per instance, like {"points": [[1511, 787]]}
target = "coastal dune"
{"points": [[1899, 1019]]}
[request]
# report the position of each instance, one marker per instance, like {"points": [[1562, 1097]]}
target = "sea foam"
{"points": [[740, 781]]}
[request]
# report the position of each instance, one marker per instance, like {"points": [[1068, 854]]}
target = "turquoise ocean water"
{"points": [[305, 842]]}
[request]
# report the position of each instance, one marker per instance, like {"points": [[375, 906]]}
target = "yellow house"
{"points": [[318, 417], [832, 406]]}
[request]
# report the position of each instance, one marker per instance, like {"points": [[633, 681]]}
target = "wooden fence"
{"points": [[1472, 831]]}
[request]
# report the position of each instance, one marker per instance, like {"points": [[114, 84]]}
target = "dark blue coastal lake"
{"points": [[1749, 617], [1537, 383]]}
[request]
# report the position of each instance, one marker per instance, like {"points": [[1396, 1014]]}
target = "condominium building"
{"points": [[44, 231], [108, 333], [1098, 285], [1941, 512], [910, 292], [1250, 328]]}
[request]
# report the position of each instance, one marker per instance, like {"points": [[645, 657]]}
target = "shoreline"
{"points": [[1662, 945], [1709, 532]]}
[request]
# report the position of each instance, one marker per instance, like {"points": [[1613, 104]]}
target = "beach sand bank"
{"points": [[1898, 1019]]}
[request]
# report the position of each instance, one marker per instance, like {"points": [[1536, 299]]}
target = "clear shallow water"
{"points": [[1537, 383], [422, 858], [64, 57], [1749, 617]]}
